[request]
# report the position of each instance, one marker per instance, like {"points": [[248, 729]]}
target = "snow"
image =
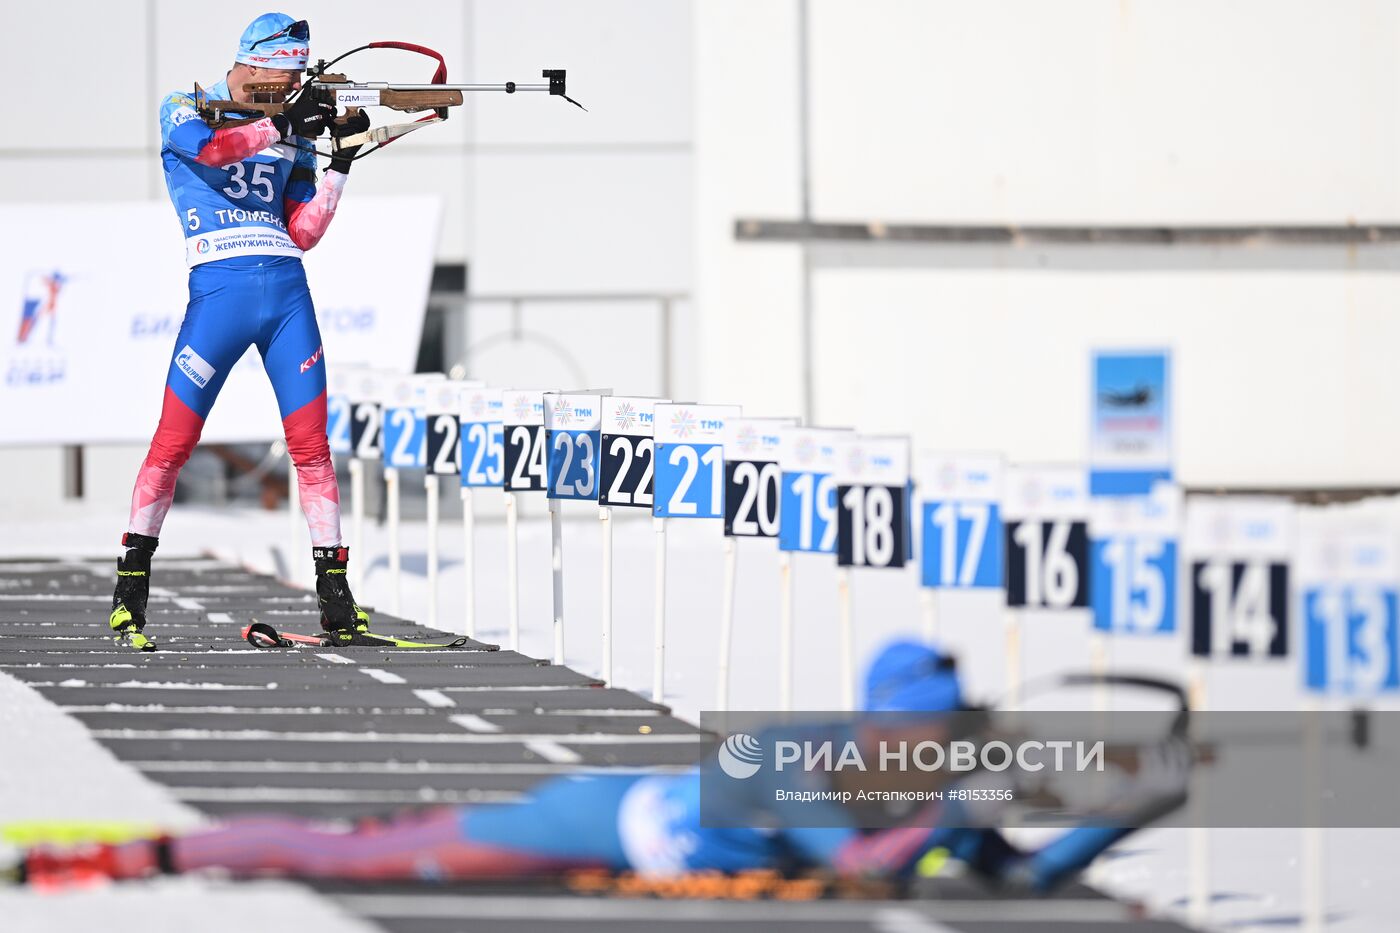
{"points": [[65, 775]]}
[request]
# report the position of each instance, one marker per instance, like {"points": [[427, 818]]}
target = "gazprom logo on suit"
{"points": [[194, 366]]}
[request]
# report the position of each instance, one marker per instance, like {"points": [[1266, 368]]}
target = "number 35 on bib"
{"points": [[1047, 537]]}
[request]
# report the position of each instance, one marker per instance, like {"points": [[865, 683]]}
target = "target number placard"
{"points": [[573, 442], [690, 460], [1349, 595], [405, 422], [807, 510], [872, 501], [367, 391], [523, 435], [481, 445], [627, 469], [1047, 537], [752, 477], [1134, 542], [1239, 554], [443, 405], [339, 381], [960, 520]]}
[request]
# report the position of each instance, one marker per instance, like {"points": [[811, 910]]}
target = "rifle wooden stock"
{"points": [[267, 99]]}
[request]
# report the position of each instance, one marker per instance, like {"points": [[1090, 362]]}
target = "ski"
{"points": [[262, 635]]}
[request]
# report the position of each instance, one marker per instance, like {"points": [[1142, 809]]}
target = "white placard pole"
{"points": [[1098, 666], [513, 571], [1198, 836], [357, 519], [430, 484], [928, 611], [785, 663], [1314, 887], [1013, 660], [605, 523], [469, 559], [848, 664], [726, 621], [556, 562], [658, 672], [391, 490], [295, 521]]}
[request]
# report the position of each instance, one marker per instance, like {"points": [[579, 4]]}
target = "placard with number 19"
{"points": [[807, 513]]}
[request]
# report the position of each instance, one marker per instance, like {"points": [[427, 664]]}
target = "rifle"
{"points": [[340, 91]]}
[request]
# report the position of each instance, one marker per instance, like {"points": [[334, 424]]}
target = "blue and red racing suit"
{"points": [[250, 206], [647, 823]]}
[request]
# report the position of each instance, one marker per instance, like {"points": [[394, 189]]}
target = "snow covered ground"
{"points": [[1255, 875], [53, 770]]}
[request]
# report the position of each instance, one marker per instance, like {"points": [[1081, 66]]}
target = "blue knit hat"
{"points": [[911, 677], [275, 40]]}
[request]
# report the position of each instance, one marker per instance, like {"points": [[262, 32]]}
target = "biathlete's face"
{"points": [[288, 78]]}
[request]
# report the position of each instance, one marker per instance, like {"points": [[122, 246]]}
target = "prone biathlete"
{"points": [[249, 202], [650, 824]]}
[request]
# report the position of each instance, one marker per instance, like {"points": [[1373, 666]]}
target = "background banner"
{"points": [[91, 299]]}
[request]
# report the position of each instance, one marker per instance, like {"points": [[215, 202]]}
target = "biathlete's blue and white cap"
{"points": [[275, 40], [911, 677]]}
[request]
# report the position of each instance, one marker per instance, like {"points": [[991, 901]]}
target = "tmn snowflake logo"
{"points": [[523, 407], [747, 439], [806, 451], [625, 416], [563, 411], [478, 405], [855, 461], [683, 423]]}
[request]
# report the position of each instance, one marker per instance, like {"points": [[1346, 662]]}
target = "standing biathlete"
{"points": [[250, 205]]}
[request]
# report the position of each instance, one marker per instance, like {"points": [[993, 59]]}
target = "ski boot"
{"points": [[133, 588], [341, 618]]}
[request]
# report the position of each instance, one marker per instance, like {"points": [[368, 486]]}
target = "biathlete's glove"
{"points": [[358, 122], [306, 117]]}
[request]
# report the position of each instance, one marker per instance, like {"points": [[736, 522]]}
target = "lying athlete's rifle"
{"points": [[339, 91]]}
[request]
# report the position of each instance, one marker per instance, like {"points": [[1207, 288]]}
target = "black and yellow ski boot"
{"points": [[133, 589], [341, 618]]}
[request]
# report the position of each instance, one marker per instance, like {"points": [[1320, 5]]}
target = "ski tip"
{"points": [[28, 833]]}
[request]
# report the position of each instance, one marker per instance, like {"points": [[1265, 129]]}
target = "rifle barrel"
{"points": [[387, 86]]}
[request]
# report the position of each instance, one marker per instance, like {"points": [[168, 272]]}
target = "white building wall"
{"points": [[1092, 112]]}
